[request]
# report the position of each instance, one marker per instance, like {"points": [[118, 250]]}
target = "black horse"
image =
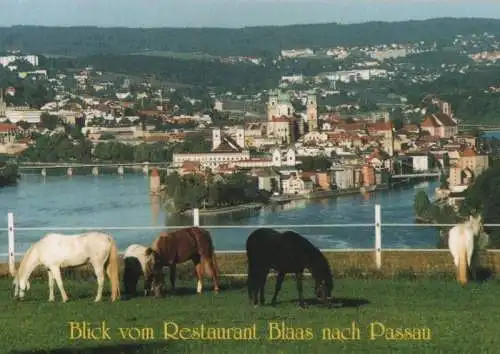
{"points": [[285, 252]]}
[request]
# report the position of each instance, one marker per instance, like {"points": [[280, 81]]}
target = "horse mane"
{"points": [[318, 263], [475, 223], [27, 255]]}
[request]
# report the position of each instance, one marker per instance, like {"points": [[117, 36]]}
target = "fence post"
{"points": [[12, 259], [378, 236], [196, 217]]}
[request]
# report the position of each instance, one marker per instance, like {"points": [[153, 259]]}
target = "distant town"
{"points": [[292, 140]]}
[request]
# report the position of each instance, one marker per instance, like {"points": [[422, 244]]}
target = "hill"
{"points": [[250, 41]]}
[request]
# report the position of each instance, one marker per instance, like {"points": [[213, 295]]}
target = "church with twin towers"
{"points": [[282, 120]]}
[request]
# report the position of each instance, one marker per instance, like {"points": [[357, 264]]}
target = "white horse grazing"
{"points": [[461, 245], [56, 251], [137, 264]]}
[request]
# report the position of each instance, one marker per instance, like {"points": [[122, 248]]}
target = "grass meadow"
{"points": [[460, 320]]}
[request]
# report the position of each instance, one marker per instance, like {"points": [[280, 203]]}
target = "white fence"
{"points": [[377, 225]]}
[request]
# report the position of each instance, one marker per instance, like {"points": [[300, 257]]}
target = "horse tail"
{"points": [[214, 265], [113, 271], [462, 264], [211, 266]]}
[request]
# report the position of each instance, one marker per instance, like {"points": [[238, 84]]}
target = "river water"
{"points": [[123, 201]]}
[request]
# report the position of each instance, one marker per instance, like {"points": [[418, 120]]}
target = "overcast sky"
{"points": [[232, 13]]}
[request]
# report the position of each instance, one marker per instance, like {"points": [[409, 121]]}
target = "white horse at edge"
{"points": [[55, 251], [461, 245]]}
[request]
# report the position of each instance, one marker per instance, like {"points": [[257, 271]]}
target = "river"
{"points": [[118, 201]]}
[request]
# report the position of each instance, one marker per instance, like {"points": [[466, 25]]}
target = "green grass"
{"points": [[460, 320]]}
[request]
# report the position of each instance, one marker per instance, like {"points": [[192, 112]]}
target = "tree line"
{"points": [[209, 191], [72, 146], [249, 41], [9, 171]]}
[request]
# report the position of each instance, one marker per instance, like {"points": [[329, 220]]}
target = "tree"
{"points": [[129, 112], [476, 132], [443, 181], [482, 197], [8, 172], [194, 143], [397, 118], [49, 121], [316, 163], [24, 125], [421, 203], [298, 106], [107, 136]]}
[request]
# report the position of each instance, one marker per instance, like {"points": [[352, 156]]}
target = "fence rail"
{"points": [[377, 225]]}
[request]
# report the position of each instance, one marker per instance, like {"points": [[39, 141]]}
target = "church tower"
{"points": [[312, 113], [272, 106], [240, 137], [216, 138], [388, 136]]}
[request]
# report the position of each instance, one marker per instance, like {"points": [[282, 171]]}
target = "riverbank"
{"points": [[325, 194], [225, 210]]}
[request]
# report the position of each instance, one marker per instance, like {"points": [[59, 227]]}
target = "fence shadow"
{"points": [[144, 347], [227, 284], [335, 303]]}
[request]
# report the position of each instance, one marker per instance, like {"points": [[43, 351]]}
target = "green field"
{"points": [[460, 320]]}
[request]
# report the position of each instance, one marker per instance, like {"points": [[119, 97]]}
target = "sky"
{"points": [[232, 13]]}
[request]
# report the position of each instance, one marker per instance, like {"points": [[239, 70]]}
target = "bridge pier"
{"points": [[95, 171], [121, 170], [70, 172], [43, 172]]}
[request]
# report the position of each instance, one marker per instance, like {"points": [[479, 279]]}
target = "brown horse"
{"points": [[172, 248]]}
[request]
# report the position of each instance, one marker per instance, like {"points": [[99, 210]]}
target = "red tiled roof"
{"points": [[445, 119], [352, 126], [7, 127], [430, 122], [469, 153], [380, 126], [438, 120], [191, 165], [411, 127], [281, 119], [308, 175]]}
